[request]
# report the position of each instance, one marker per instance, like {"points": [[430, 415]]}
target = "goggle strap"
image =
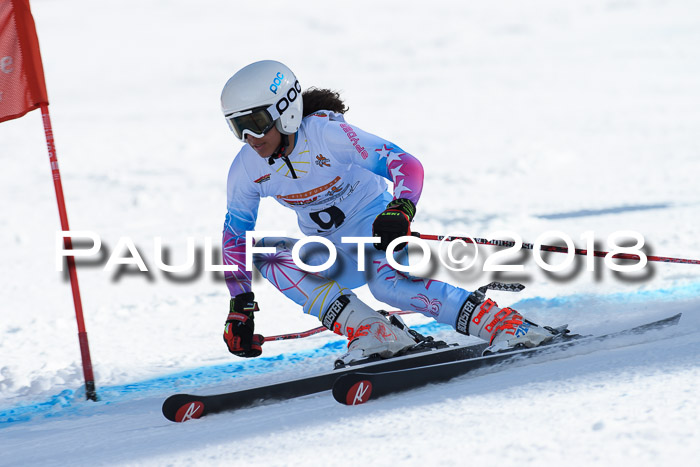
{"points": [[274, 114]]}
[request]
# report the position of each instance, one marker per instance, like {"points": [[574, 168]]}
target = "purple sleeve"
{"points": [[243, 202], [378, 155], [233, 250]]}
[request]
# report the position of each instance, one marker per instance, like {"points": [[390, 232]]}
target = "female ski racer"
{"points": [[300, 151]]}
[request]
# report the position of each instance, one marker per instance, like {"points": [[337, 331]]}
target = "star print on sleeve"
{"points": [[351, 145], [405, 171]]}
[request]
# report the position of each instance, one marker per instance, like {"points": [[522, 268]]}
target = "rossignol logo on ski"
{"points": [[359, 393], [189, 411]]}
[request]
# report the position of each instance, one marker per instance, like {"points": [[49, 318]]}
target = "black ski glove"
{"points": [[238, 332], [394, 222]]}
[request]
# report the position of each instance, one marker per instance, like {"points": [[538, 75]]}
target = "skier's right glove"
{"points": [[238, 332]]}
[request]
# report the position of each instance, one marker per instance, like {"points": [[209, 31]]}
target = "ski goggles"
{"points": [[255, 122]]}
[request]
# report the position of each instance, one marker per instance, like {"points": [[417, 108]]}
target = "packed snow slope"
{"points": [[528, 117]]}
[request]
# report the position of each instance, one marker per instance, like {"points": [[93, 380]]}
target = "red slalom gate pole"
{"points": [[90, 392], [556, 249]]}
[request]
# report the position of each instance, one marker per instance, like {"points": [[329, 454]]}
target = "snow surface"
{"points": [[528, 116]]}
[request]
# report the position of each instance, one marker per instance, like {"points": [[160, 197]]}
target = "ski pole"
{"points": [[556, 249], [296, 335], [311, 332]]}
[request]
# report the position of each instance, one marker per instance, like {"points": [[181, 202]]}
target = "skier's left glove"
{"points": [[238, 332], [394, 222]]}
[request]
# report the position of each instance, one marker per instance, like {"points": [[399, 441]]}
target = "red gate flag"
{"points": [[22, 86]]}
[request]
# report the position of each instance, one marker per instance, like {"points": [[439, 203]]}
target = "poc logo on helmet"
{"points": [[292, 94], [276, 82]]}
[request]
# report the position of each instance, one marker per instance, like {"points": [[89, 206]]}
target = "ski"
{"points": [[360, 386], [183, 407]]}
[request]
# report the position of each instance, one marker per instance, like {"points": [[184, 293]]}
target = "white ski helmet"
{"points": [[261, 95]]}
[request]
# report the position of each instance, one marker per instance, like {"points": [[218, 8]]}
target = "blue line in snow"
{"points": [[604, 211], [70, 402], [686, 292]]}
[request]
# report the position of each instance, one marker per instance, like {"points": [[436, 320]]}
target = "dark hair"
{"points": [[322, 99]]}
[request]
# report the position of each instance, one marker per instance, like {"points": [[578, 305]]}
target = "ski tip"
{"points": [[359, 393], [352, 390], [189, 411], [181, 408]]}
